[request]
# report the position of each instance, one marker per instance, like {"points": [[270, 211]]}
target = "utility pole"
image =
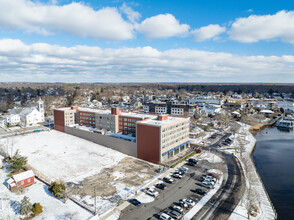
{"points": [[95, 199]]}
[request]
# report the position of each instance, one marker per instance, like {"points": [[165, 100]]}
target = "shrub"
{"points": [[37, 208], [57, 189], [17, 162], [25, 206], [197, 150]]}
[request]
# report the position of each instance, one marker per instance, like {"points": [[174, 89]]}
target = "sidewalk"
{"points": [[266, 209]]}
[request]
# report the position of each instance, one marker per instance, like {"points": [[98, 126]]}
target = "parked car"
{"points": [[189, 202], [191, 164], [210, 179], [135, 202], [152, 192], [183, 204], [179, 172], [200, 192], [177, 208], [174, 214], [177, 176], [164, 216], [183, 169], [192, 160], [168, 180], [207, 185], [160, 186]]}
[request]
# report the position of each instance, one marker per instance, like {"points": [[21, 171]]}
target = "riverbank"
{"points": [[255, 194]]}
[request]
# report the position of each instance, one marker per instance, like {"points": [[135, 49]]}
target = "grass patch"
{"points": [[9, 174], [184, 158]]}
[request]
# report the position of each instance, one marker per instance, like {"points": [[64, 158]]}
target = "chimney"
{"points": [[162, 117], [74, 107], [115, 111]]}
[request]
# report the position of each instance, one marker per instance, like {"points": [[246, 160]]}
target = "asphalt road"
{"points": [[222, 204]]}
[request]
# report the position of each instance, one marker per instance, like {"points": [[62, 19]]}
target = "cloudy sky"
{"points": [[147, 41]]}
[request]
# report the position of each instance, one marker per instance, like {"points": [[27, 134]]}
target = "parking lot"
{"points": [[184, 188]]}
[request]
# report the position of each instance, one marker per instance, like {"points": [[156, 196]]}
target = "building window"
{"points": [[22, 182], [29, 180]]}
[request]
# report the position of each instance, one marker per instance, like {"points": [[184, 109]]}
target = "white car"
{"points": [[165, 216], [177, 208], [210, 178], [206, 184], [189, 202], [152, 192]]}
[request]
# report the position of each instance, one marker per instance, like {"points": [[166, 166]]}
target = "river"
{"points": [[274, 160]]}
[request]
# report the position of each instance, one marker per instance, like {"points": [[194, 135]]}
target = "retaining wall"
{"points": [[123, 146]]}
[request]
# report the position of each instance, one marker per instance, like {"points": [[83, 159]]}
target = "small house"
{"points": [[23, 179]]}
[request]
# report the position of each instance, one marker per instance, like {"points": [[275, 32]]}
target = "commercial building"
{"points": [[162, 138], [157, 138], [64, 117], [170, 107]]}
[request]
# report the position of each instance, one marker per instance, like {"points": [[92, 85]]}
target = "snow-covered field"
{"points": [[52, 207], [62, 156]]}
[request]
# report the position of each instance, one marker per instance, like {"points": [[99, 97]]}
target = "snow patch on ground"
{"points": [[144, 198], [117, 175], [210, 157], [114, 216]]}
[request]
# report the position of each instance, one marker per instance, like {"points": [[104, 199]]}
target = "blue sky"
{"points": [[147, 41]]}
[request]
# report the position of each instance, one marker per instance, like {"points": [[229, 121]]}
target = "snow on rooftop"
{"points": [[22, 176], [61, 156], [156, 122], [99, 111]]}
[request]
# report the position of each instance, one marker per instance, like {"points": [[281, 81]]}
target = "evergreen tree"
{"points": [[25, 206], [17, 162]]}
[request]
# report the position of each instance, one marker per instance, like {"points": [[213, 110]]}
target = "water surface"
{"points": [[274, 160]]}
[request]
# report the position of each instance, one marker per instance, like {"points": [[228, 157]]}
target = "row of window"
{"points": [[128, 120]]}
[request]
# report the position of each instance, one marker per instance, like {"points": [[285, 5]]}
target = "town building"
{"points": [[162, 138], [64, 117], [158, 138], [12, 119], [170, 107], [27, 116], [22, 179]]}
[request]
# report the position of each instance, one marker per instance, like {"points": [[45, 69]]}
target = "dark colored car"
{"points": [[135, 202], [192, 160], [200, 192], [160, 186], [168, 180], [190, 164]]}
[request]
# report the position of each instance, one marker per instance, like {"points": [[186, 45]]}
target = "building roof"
{"points": [[266, 111], [159, 123], [26, 111], [22, 176], [98, 111]]}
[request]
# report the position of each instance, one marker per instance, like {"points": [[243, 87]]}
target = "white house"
{"points": [[12, 119], [29, 116]]}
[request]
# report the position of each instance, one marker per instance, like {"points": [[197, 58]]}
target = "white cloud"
{"points": [[162, 26], [74, 18], [208, 32], [264, 27], [44, 62], [132, 15]]}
